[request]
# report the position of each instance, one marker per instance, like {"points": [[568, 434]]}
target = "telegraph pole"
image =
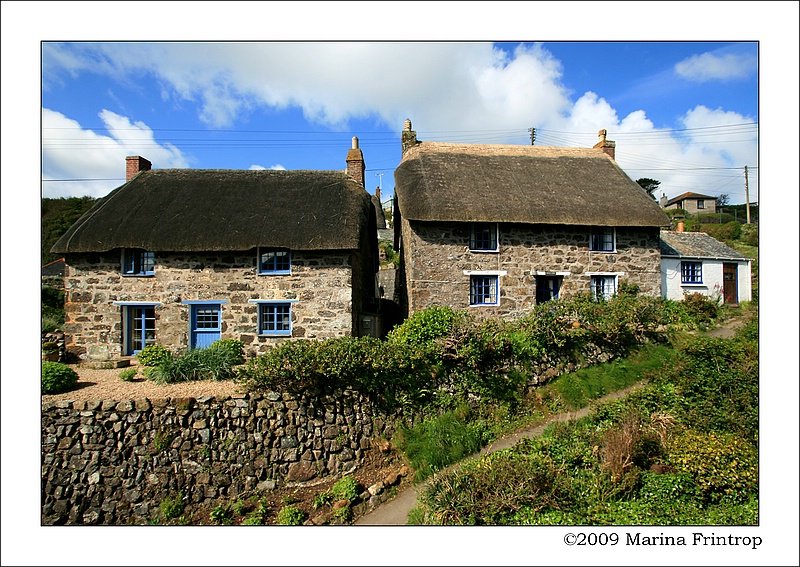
{"points": [[746, 195], [533, 134]]}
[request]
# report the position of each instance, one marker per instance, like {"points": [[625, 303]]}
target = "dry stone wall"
{"points": [[113, 462]]}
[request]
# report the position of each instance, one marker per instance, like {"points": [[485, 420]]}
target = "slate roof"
{"points": [[696, 245], [516, 183], [215, 210]]}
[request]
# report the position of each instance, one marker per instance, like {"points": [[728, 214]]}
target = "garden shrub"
{"points": [[724, 466], [57, 377], [217, 362], [128, 374], [230, 350], [153, 355], [346, 488], [701, 308]]}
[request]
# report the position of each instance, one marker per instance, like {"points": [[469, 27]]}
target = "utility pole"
{"points": [[380, 180], [746, 195], [533, 134]]}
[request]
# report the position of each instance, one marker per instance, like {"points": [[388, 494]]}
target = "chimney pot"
{"points": [[355, 143], [608, 146], [407, 125], [408, 138]]}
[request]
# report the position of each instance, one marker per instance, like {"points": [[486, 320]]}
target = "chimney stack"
{"points": [[135, 164], [607, 146], [663, 200], [378, 193], [355, 163], [680, 227], [408, 137]]}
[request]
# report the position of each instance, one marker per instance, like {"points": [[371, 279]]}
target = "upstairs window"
{"points": [[484, 290], [272, 262], [137, 262], [603, 239], [691, 272], [483, 237]]}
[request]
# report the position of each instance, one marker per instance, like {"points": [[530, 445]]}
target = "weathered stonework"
{"points": [[327, 288], [112, 462], [436, 257]]}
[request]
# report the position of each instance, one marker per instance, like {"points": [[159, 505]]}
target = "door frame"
{"points": [[730, 289], [193, 331]]}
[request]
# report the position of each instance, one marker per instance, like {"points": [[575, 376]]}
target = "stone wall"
{"points": [[113, 462], [321, 283], [436, 255]]}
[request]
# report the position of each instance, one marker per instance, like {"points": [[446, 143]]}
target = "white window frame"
{"points": [[497, 274], [601, 230], [615, 275]]}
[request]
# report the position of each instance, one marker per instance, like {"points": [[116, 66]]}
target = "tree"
{"points": [[649, 185], [723, 200]]}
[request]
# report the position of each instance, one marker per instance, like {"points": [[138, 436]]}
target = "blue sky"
{"points": [[684, 113]]}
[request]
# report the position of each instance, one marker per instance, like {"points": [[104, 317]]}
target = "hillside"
{"points": [[57, 216]]}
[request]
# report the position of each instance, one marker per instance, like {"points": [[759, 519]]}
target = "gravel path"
{"points": [[106, 385]]}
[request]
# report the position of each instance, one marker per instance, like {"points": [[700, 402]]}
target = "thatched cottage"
{"points": [[184, 257], [499, 228]]}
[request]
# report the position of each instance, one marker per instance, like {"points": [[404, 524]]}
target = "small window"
{"points": [[275, 319], [138, 262], [701, 204], [274, 262], [692, 272], [547, 288], [602, 240], [483, 237], [604, 287], [483, 290]]}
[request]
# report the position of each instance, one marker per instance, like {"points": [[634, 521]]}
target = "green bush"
{"points": [[57, 377], [128, 374], [724, 466], [52, 309], [230, 350], [153, 355], [726, 232], [290, 516], [701, 308], [346, 488], [172, 506]]}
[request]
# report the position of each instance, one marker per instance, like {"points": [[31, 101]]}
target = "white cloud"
{"points": [[442, 87], [716, 67], [276, 167], [72, 152]]}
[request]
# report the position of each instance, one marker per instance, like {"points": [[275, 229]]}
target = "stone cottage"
{"points": [[692, 203], [499, 228], [695, 262], [184, 257]]}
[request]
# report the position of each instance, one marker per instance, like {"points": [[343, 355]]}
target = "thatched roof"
{"points": [[215, 210], [696, 245], [525, 184]]}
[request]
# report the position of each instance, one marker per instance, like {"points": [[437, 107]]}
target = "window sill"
{"points": [[142, 275], [685, 284], [485, 251], [603, 251], [478, 305], [273, 335], [281, 273]]}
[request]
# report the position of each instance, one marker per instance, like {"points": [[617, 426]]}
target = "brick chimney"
{"points": [[607, 146], [409, 136], [680, 226], [378, 193], [135, 164], [355, 163]]}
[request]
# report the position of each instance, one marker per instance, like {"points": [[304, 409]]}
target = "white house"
{"points": [[694, 262]]}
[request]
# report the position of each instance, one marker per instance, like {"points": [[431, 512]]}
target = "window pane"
{"points": [[275, 261], [483, 290], [275, 318], [602, 240], [483, 237]]}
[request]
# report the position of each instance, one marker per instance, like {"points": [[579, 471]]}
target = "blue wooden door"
{"points": [[206, 324]]}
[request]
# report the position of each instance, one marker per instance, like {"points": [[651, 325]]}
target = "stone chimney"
{"points": [[680, 226], [135, 164], [378, 193], [606, 145], [409, 136], [663, 201], [355, 163]]}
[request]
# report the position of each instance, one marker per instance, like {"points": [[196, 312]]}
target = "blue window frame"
{"points": [[604, 287], [484, 290], [603, 239], [136, 262], [483, 237], [140, 327], [274, 262], [275, 319], [692, 272]]}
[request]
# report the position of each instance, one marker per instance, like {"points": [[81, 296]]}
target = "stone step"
{"points": [[103, 364]]}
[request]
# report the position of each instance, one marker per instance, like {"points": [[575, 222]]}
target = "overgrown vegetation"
{"points": [[441, 357], [680, 451], [290, 516], [57, 378], [57, 216], [52, 309]]}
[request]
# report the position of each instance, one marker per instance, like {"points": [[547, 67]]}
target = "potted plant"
{"points": [[50, 351]]}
